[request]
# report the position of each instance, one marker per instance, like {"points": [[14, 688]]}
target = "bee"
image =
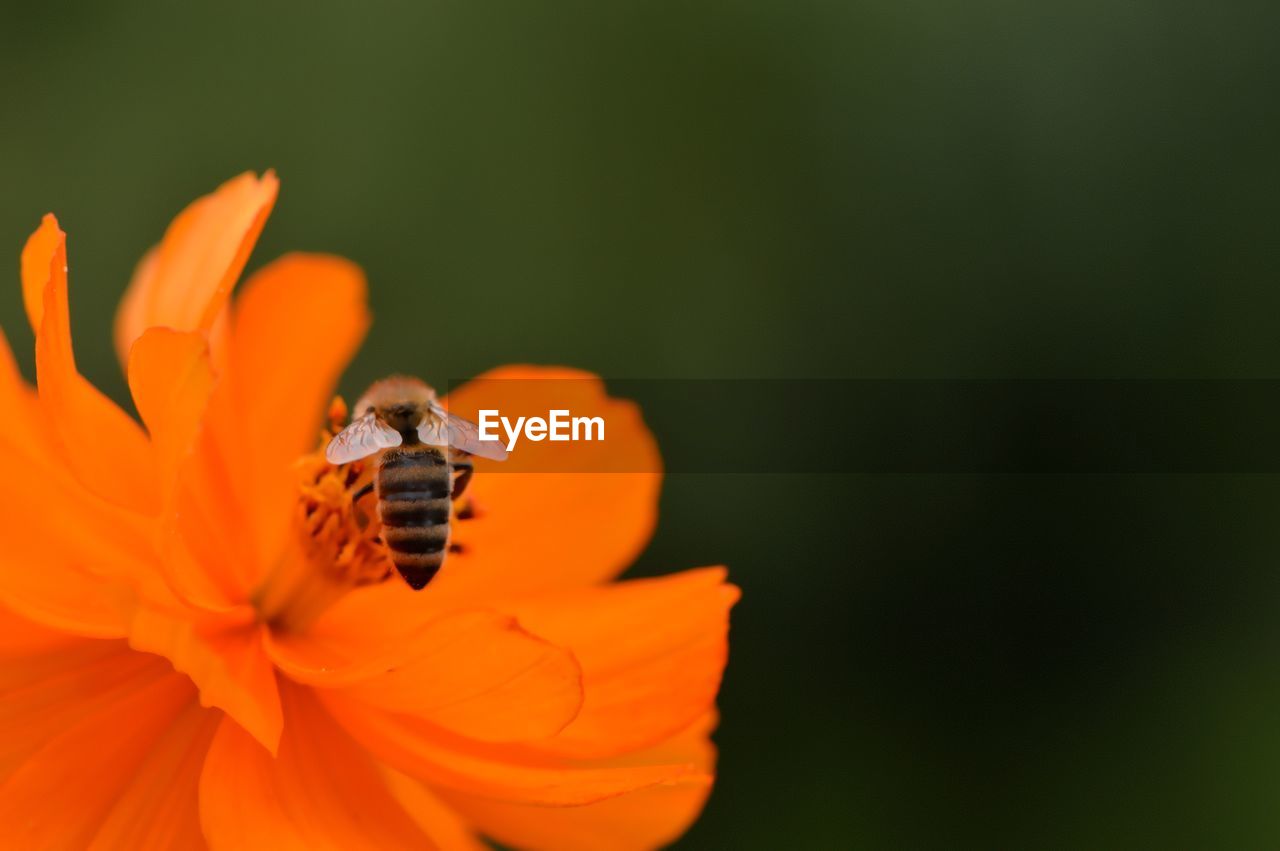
{"points": [[420, 447]]}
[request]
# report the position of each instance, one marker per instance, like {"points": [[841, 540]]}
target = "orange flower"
{"points": [[197, 649]]}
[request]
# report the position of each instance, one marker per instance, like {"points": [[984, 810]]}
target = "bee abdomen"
{"points": [[416, 551], [416, 540], [417, 569], [417, 511], [414, 506]]}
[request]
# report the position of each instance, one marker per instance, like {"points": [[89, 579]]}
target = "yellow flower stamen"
{"points": [[340, 548]]}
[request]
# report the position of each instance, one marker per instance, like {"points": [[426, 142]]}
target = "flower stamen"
{"points": [[341, 548]]}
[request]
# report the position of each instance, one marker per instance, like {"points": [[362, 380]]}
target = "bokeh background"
{"points": [[788, 190]]}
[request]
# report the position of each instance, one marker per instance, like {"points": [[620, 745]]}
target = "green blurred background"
{"points": [[789, 190]]}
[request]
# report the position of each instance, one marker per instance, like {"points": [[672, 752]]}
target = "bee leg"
{"points": [[465, 470], [362, 493]]}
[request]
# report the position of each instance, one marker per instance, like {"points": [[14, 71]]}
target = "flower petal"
{"points": [[59, 593], [210, 518], [74, 582], [477, 674], [446, 829], [22, 436], [60, 795], [42, 247], [50, 680], [588, 526], [172, 381], [652, 654], [223, 655], [322, 792], [116, 463], [158, 810], [86, 583], [425, 752], [83, 582], [648, 818], [184, 282], [296, 325], [48, 587], [20, 639]]}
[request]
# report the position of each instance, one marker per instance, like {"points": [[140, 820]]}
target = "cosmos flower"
{"points": [[197, 644]]}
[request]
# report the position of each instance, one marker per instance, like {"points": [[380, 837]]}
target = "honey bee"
{"points": [[420, 447]]}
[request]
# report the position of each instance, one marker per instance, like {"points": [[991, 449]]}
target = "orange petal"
{"points": [[172, 380], [48, 242], [652, 654], [159, 809], [539, 531], [116, 462], [80, 586], [322, 792], [60, 594], [425, 752], [22, 437], [211, 517], [223, 655], [478, 674], [85, 582], [206, 553], [447, 831], [648, 818], [50, 681], [25, 437], [185, 281], [75, 582], [296, 325], [61, 794], [21, 638]]}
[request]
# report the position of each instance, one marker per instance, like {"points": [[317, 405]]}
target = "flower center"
{"points": [[338, 547]]}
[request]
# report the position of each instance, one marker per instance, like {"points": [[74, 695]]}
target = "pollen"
{"points": [[340, 548], [340, 537]]}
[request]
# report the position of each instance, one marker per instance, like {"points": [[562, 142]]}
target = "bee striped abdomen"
{"points": [[413, 485]]}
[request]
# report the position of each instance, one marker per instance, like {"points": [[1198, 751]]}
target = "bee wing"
{"points": [[365, 436], [442, 428]]}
